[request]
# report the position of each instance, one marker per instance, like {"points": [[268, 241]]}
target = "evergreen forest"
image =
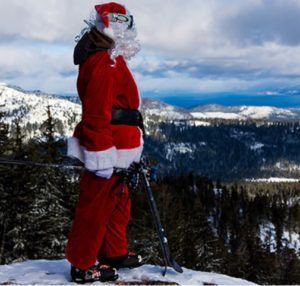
{"points": [[243, 229], [226, 149]]}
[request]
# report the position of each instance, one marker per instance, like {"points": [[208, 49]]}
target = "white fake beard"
{"points": [[126, 44]]}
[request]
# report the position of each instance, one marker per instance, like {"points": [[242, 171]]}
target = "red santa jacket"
{"points": [[103, 84]]}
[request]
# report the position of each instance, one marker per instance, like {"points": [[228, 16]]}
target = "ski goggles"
{"points": [[121, 18]]}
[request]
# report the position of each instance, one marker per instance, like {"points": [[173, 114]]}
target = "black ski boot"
{"points": [[98, 272], [130, 260]]}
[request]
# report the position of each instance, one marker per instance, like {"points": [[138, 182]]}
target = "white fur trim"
{"points": [[99, 160], [74, 149], [127, 156], [109, 32], [93, 160]]}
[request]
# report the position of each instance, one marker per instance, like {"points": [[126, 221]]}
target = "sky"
{"points": [[195, 48]]}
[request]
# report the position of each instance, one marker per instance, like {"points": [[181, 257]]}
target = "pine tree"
{"points": [[50, 217], [16, 200], [141, 232], [3, 133], [4, 171]]}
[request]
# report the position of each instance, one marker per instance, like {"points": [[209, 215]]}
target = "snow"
{"points": [[256, 146], [201, 123], [260, 112], [210, 115], [246, 112], [287, 166], [178, 148], [217, 191], [31, 108], [256, 112], [167, 113], [268, 235], [274, 180], [164, 111], [56, 272]]}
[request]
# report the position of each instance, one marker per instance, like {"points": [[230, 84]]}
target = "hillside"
{"points": [[245, 112], [43, 272], [30, 108], [220, 142]]}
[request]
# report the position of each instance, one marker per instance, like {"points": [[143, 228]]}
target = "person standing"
{"points": [[108, 136]]}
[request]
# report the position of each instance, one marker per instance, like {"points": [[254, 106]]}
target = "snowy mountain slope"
{"points": [[164, 111], [274, 180], [290, 239], [31, 109], [245, 112], [45, 272]]}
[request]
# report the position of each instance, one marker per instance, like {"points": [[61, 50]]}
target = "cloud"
{"points": [[38, 66], [194, 46], [49, 20], [268, 21]]}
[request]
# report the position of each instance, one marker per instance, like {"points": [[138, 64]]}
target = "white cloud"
{"points": [[38, 67], [234, 42]]}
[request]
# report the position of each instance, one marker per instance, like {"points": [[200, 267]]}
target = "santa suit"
{"points": [[103, 209]]}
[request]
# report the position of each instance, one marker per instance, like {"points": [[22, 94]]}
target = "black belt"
{"points": [[130, 117]]}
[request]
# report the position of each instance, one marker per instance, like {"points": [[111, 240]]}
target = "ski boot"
{"points": [[130, 260], [97, 272]]}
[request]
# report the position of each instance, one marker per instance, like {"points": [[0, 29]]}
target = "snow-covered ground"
{"points": [[31, 109], [256, 146], [274, 180], [178, 148], [210, 115], [157, 108], [56, 272], [244, 112], [289, 239], [200, 123]]}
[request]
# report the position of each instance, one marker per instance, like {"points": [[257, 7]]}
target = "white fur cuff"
{"points": [[93, 160], [99, 160], [74, 149], [126, 157]]}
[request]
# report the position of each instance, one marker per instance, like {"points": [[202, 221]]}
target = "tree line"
{"points": [[227, 150]]}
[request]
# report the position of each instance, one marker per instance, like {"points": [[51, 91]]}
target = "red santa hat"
{"points": [[104, 9]]}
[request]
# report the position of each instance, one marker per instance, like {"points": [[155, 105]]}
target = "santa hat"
{"points": [[103, 11]]}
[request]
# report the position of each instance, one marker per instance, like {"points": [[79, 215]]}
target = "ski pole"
{"points": [[141, 170], [36, 164], [168, 259]]}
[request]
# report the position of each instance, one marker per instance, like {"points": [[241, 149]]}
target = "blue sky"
{"points": [[217, 51]]}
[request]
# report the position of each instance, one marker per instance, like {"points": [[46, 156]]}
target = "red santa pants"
{"points": [[100, 222]]}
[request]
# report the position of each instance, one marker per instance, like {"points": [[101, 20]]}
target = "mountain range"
{"points": [[245, 112], [30, 108], [222, 142]]}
